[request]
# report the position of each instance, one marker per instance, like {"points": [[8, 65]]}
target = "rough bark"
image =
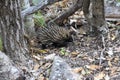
{"points": [[95, 16], [13, 31], [98, 13], [86, 5], [87, 12]]}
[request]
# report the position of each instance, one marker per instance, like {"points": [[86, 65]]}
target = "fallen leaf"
{"points": [[36, 67], [109, 63], [43, 51], [83, 72], [77, 70], [41, 77], [47, 65], [50, 57], [81, 13], [110, 51], [39, 50], [107, 77], [99, 76], [116, 59], [118, 23], [74, 53], [92, 67], [113, 37], [86, 72], [85, 58], [118, 69], [113, 70], [82, 31], [36, 57], [117, 49], [72, 21], [24, 68]]}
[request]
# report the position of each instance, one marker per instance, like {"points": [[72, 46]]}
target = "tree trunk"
{"points": [[98, 20], [13, 31], [98, 13], [95, 16]]}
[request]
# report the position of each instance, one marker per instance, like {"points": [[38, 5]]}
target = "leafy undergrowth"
{"points": [[95, 58]]}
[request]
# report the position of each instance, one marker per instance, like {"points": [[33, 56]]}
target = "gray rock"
{"points": [[62, 71], [7, 69]]}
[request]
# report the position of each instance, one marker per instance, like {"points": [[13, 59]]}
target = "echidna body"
{"points": [[53, 34]]}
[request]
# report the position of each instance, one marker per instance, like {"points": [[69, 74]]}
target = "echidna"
{"points": [[53, 34]]}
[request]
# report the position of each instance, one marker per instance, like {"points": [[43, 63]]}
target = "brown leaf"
{"points": [[47, 65], [77, 70], [36, 57], [109, 63], [116, 59], [41, 77], [82, 31], [113, 70], [36, 67], [83, 72], [110, 51], [92, 67], [113, 37], [74, 53], [99, 76], [118, 23]]}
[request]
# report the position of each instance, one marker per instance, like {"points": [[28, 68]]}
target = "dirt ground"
{"points": [[95, 57]]}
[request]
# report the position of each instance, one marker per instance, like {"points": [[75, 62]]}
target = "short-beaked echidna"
{"points": [[53, 34]]}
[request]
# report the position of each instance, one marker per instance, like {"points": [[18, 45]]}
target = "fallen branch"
{"points": [[41, 5], [103, 50], [69, 12]]}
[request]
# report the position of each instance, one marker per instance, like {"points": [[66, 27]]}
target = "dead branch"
{"points": [[117, 16], [69, 12], [103, 50], [41, 5]]}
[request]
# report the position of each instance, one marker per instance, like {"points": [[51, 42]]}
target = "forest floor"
{"points": [[91, 57]]}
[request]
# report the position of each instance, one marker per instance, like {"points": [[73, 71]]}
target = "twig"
{"points": [[73, 29], [101, 55]]}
